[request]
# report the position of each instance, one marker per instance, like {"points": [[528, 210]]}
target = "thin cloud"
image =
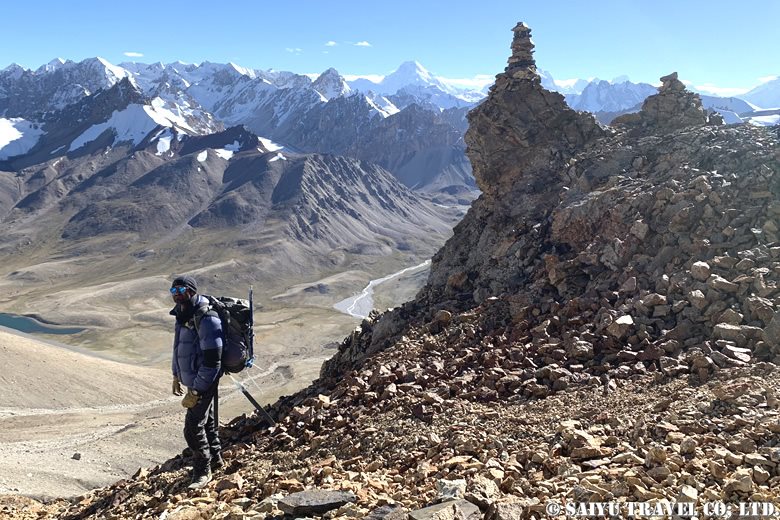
{"points": [[294, 50], [131, 54], [362, 44], [767, 79], [331, 43]]}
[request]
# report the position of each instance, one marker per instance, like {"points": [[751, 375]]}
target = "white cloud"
{"points": [[767, 79], [331, 43], [362, 44], [294, 50], [131, 54]]}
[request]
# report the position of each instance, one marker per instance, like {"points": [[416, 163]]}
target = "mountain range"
{"points": [[98, 148], [608, 99], [91, 144], [327, 114]]}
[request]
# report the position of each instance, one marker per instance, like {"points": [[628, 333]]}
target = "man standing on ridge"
{"points": [[197, 355]]}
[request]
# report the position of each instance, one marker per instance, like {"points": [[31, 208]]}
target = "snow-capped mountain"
{"points": [[766, 95], [120, 115], [604, 96], [373, 121], [414, 79], [409, 74], [732, 104], [330, 84], [24, 93], [313, 116]]}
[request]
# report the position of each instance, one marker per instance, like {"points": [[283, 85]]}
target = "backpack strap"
{"points": [[204, 309]]}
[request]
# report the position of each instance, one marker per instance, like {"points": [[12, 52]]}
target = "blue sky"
{"points": [[727, 44]]}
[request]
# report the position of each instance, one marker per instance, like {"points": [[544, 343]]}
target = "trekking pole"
{"points": [[252, 400], [216, 407], [251, 360]]}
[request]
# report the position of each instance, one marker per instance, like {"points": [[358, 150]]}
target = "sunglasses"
{"points": [[178, 290]]}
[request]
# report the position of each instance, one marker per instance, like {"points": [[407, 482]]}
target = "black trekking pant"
{"points": [[201, 431]]}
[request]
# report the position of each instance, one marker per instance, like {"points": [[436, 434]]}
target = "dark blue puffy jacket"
{"points": [[197, 354]]}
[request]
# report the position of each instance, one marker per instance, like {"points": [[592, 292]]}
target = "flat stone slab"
{"points": [[394, 512], [452, 509], [314, 502]]}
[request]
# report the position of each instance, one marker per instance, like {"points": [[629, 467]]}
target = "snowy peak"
{"points": [[25, 93], [111, 71], [603, 96], [413, 70], [13, 68], [411, 83], [331, 84], [53, 65], [125, 91], [12, 72], [242, 70], [410, 73], [766, 95], [286, 79]]}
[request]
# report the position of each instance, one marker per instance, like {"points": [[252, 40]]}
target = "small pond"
{"points": [[31, 326]]}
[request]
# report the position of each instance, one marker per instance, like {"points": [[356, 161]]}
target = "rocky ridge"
{"points": [[603, 325]]}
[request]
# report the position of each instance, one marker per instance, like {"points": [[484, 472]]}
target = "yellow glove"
{"points": [[191, 399], [176, 387]]}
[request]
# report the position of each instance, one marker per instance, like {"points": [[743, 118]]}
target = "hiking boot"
{"points": [[217, 462], [200, 479]]}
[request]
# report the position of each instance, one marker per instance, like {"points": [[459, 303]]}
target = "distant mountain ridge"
{"points": [[326, 115], [140, 176], [372, 121]]}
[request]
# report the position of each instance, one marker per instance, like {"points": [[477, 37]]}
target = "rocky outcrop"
{"points": [[672, 108]]}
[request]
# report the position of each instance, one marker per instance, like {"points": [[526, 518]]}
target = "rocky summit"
{"points": [[602, 327]]}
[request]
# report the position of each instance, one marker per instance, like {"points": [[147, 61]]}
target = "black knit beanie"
{"points": [[187, 281]]}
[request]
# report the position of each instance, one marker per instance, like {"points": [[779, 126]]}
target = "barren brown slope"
{"points": [[35, 375], [55, 403]]}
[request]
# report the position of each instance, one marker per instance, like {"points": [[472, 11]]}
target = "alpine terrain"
{"points": [[603, 326], [114, 179]]}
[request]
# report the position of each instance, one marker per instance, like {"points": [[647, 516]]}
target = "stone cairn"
{"points": [[521, 62], [672, 108]]}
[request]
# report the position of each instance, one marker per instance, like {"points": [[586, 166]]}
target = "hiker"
{"points": [[197, 354]]}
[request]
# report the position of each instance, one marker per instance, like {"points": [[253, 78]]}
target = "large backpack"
{"points": [[236, 317]]}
